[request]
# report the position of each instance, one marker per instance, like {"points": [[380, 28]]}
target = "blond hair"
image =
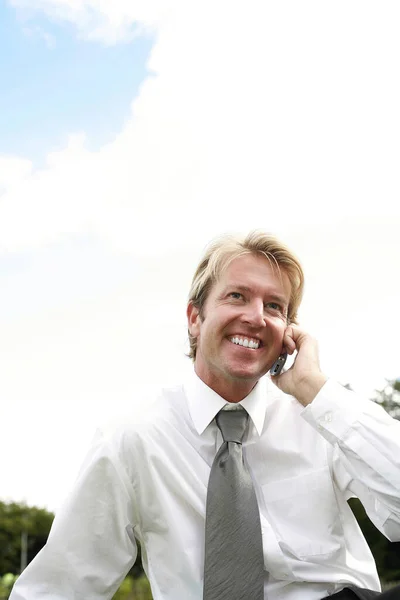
{"points": [[223, 250]]}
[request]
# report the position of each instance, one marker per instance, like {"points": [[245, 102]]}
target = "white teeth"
{"points": [[245, 342]]}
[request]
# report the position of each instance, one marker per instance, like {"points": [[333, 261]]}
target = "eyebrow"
{"points": [[245, 288]]}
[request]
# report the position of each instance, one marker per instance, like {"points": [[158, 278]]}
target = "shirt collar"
{"points": [[204, 403]]}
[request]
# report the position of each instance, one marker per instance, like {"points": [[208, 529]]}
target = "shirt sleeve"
{"points": [[366, 452], [91, 546]]}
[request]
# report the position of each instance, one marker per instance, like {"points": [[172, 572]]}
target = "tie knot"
{"points": [[232, 424]]}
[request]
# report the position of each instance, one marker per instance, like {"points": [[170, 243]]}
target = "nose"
{"points": [[253, 314]]}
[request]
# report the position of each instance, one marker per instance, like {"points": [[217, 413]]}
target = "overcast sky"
{"points": [[131, 133]]}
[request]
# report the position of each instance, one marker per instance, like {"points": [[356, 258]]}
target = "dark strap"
{"points": [[353, 592]]}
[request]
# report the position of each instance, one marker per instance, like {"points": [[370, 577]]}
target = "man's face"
{"points": [[248, 302]]}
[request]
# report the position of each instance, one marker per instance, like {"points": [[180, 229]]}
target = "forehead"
{"points": [[256, 273]]}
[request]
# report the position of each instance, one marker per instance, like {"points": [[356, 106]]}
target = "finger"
{"points": [[288, 342], [296, 335], [294, 331]]}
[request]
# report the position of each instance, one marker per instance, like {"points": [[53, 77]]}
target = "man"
{"points": [[309, 445]]}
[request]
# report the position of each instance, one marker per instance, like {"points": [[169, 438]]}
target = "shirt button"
{"points": [[328, 417]]}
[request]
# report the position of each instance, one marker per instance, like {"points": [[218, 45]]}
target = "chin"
{"points": [[244, 375]]}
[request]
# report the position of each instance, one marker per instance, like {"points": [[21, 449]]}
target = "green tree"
{"points": [[134, 589], [6, 583], [16, 519], [389, 397]]}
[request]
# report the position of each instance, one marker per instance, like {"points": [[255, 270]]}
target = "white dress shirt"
{"points": [[147, 477]]}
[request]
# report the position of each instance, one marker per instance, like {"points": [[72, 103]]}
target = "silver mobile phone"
{"points": [[278, 364]]}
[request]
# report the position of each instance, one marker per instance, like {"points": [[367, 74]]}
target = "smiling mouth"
{"points": [[249, 343]]}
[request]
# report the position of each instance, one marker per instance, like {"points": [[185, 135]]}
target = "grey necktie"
{"points": [[234, 563]]}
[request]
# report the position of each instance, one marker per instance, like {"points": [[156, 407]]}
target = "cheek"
{"points": [[207, 332], [277, 328], [220, 319]]}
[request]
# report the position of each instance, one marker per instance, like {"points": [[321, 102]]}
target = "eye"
{"points": [[235, 295], [274, 306]]}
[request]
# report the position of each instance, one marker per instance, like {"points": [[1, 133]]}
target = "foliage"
{"points": [[134, 589], [6, 583], [14, 520], [141, 589], [125, 590], [389, 397], [36, 522]]}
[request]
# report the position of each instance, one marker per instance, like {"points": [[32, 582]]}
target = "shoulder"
{"points": [[123, 439], [154, 409]]}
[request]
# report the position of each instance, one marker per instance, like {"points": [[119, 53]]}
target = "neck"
{"points": [[233, 390]]}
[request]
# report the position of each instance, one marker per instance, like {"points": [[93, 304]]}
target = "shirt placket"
{"points": [[274, 559]]}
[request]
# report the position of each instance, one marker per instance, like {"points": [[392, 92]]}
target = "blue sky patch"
{"points": [[53, 84]]}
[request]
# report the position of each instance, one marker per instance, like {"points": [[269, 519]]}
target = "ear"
{"points": [[193, 318]]}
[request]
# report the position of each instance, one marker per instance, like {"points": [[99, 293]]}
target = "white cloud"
{"points": [[108, 21], [250, 118], [13, 170]]}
